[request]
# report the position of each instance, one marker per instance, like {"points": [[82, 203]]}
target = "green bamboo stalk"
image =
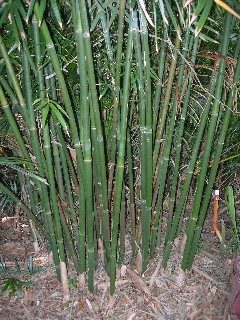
{"points": [[69, 240], [112, 136], [121, 157], [95, 106], [180, 138], [148, 165], [208, 145], [143, 154], [187, 181], [9, 91], [122, 228], [25, 209], [69, 198], [55, 144], [39, 154], [164, 162], [55, 210], [145, 110], [131, 185], [88, 178], [64, 91], [159, 83], [14, 80], [162, 120], [216, 157], [12, 122]]}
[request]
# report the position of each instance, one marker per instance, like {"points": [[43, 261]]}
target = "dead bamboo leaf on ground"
{"points": [[202, 273], [154, 275], [139, 281]]}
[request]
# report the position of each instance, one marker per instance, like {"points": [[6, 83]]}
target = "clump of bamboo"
{"points": [[105, 126]]}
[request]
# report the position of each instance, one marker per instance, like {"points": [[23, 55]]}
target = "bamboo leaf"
{"points": [[20, 8], [14, 28], [15, 15], [14, 161], [59, 117], [200, 7], [30, 9], [59, 107], [180, 12], [42, 8], [142, 4], [227, 7], [39, 99], [42, 105], [187, 3], [56, 12], [29, 174], [230, 204], [4, 14], [173, 18], [205, 37], [96, 19], [203, 17], [114, 14], [2, 8], [162, 10], [45, 113]]}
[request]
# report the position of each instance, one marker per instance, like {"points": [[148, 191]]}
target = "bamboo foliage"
{"points": [[114, 98]]}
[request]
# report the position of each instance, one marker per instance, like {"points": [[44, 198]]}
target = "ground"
{"points": [[201, 294]]}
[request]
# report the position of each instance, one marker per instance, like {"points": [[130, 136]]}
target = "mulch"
{"points": [[201, 293]]}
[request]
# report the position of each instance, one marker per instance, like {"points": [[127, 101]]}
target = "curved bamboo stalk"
{"points": [[121, 158]]}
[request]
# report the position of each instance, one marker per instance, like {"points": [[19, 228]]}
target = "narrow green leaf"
{"points": [[142, 4], [28, 173], [59, 107], [45, 113], [17, 266], [59, 117], [56, 12], [3, 7], [20, 8], [34, 271], [30, 9], [162, 10], [18, 20], [205, 37], [96, 19], [230, 204], [203, 17], [42, 105], [42, 8], [13, 160], [39, 99], [4, 14], [173, 18], [113, 16], [14, 28], [180, 12], [200, 6]]}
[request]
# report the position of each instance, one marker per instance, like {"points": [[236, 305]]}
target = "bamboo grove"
{"points": [[108, 110]]}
